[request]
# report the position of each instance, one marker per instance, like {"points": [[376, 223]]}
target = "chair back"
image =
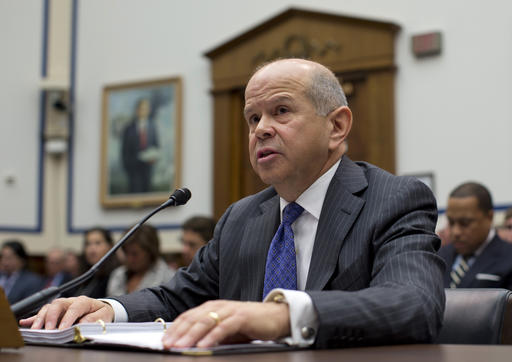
{"points": [[477, 316]]}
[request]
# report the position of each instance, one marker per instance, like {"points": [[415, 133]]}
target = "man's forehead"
{"points": [[463, 200], [268, 86], [463, 206]]}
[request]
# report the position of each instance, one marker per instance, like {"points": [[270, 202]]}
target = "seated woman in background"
{"points": [[17, 282], [97, 241], [143, 266]]}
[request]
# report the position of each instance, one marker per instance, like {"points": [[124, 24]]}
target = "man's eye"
{"points": [[254, 119], [465, 222], [281, 110]]}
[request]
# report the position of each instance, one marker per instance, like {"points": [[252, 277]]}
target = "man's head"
{"points": [[143, 108], [54, 261], [197, 231], [469, 214], [13, 256], [298, 119]]}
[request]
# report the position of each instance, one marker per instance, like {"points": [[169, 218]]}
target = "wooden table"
{"points": [[405, 353]]}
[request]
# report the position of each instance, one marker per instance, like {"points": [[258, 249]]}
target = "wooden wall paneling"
{"points": [[222, 152], [372, 137], [381, 117]]}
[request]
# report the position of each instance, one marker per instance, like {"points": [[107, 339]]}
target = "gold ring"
{"points": [[215, 317]]}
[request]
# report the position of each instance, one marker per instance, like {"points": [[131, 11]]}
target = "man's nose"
{"points": [[455, 230], [265, 128]]}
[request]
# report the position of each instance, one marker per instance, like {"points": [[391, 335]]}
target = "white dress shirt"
{"points": [[478, 251], [303, 317]]}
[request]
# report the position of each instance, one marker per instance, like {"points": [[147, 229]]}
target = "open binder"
{"points": [[136, 336]]}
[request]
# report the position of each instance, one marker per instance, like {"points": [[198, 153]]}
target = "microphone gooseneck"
{"points": [[23, 307]]}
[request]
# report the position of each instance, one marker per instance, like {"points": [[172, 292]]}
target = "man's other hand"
{"points": [[220, 321], [64, 312]]}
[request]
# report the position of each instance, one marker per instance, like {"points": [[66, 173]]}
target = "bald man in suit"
{"points": [[364, 263]]}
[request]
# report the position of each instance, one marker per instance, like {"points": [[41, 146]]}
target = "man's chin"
{"points": [[268, 178], [461, 249]]}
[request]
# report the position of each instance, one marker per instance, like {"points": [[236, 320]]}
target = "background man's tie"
{"points": [[458, 273], [281, 268]]}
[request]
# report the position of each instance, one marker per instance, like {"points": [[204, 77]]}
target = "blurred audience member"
{"points": [[444, 235], [54, 266], [173, 260], [197, 231], [505, 232], [97, 242], [72, 264], [143, 266], [17, 282], [476, 256]]}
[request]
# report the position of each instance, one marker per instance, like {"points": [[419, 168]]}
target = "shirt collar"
{"points": [[486, 242], [313, 198]]}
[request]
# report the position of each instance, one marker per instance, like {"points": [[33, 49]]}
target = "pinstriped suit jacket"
{"points": [[374, 276]]}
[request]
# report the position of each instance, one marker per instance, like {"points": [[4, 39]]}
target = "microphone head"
{"points": [[181, 196]]}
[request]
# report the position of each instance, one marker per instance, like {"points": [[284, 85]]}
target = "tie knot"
{"points": [[291, 212], [466, 258]]}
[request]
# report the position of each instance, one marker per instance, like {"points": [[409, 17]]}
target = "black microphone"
{"points": [[29, 304]]}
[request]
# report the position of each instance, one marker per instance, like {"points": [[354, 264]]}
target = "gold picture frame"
{"points": [[140, 142]]}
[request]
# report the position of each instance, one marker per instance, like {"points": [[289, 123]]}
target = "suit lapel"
{"points": [[339, 212], [257, 237], [482, 262]]}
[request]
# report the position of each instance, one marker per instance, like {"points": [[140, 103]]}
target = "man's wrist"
{"points": [[302, 317], [120, 314], [282, 311]]}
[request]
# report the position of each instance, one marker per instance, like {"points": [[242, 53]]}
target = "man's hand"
{"points": [[229, 321], [64, 312]]}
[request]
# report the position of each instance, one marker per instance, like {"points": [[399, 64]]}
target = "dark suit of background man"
{"points": [[367, 271], [476, 257], [16, 280], [139, 136]]}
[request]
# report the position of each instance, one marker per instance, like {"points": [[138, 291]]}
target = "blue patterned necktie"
{"points": [[281, 268]]}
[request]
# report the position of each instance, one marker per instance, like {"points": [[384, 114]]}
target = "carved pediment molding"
{"points": [[298, 46]]}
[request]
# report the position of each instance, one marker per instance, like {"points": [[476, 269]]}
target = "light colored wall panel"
{"points": [[20, 74]]}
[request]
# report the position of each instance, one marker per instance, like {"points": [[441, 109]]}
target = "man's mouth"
{"points": [[263, 153]]}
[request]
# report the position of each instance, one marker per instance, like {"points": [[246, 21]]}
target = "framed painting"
{"points": [[140, 142]]}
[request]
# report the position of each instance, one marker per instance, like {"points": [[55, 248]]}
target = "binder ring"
{"points": [[100, 321], [160, 320]]}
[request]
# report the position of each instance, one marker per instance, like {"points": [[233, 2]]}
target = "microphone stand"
{"points": [[25, 306]]}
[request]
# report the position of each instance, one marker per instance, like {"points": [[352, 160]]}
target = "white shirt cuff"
{"points": [[120, 314], [303, 316]]}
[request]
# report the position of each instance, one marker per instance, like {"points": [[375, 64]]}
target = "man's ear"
{"points": [[490, 215], [341, 123]]}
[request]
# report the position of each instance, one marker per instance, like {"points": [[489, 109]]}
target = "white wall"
{"points": [[453, 114], [20, 71]]}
